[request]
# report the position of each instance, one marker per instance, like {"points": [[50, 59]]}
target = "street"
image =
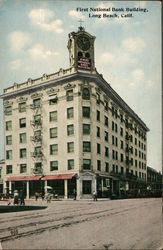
{"points": [[85, 224]]}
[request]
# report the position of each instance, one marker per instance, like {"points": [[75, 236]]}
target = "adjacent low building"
{"points": [[71, 131]]}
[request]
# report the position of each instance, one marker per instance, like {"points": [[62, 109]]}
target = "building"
{"points": [[70, 130], [2, 167], [154, 181]]}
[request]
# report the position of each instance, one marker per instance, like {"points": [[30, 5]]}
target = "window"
{"points": [[53, 149], [36, 103], [136, 152], [37, 120], [116, 141], [121, 157], [22, 107], [135, 141], [116, 169], [86, 112], [38, 151], [69, 95], [70, 129], [106, 151], [136, 164], [9, 126], [23, 153], [87, 187], [98, 132], [122, 170], [98, 115], [53, 101], [121, 117], [86, 94], [86, 129], [53, 165], [113, 154], [136, 173], [22, 122], [112, 139], [86, 164], [86, 146], [140, 175], [70, 164], [22, 138], [9, 154], [106, 105], [8, 110], [98, 148], [121, 131], [121, 144], [112, 126], [106, 136], [9, 169], [53, 132], [98, 165], [38, 167], [98, 98], [53, 116], [116, 155], [70, 147], [37, 135], [106, 121], [70, 113], [116, 128], [0, 173], [106, 167], [23, 168], [113, 168], [9, 140]]}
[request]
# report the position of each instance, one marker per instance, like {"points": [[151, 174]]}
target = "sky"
{"points": [[34, 36]]}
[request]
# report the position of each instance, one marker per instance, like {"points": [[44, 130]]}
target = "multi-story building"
{"points": [[70, 130], [154, 181], [2, 166]]}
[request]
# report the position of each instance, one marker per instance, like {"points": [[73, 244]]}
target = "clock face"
{"points": [[83, 42]]}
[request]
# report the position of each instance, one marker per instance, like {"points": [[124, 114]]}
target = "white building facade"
{"points": [[70, 130]]}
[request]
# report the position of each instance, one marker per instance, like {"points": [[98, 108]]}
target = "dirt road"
{"points": [[119, 224]]}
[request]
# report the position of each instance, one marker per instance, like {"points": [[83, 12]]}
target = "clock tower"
{"points": [[81, 50]]}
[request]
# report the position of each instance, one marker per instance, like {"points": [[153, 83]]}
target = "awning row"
{"points": [[44, 178]]}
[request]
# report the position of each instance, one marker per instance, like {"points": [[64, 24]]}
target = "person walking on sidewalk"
{"points": [[94, 195]]}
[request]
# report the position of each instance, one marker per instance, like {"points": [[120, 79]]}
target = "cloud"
{"points": [[16, 64], [135, 44], [19, 40], [137, 77], [38, 52], [75, 14], [107, 57], [44, 19]]}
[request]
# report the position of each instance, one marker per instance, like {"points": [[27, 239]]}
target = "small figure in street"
{"points": [[94, 195], [22, 202], [42, 195], [74, 192], [36, 196]]}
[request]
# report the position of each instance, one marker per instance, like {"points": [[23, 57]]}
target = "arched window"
{"points": [[86, 94], [80, 54], [87, 55]]}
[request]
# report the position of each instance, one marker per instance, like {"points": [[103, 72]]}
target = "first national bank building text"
{"points": [[70, 130]]}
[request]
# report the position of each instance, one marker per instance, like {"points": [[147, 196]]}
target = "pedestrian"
{"points": [[94, 195], [74, 192], [22, 202], [36, 196]]}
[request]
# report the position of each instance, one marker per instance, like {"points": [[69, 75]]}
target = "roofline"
{"points": [[75, 75]]}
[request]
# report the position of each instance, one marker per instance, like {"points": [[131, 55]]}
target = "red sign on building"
{"points": [[84, 63]]}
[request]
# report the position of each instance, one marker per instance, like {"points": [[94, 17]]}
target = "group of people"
{"points": [[18, 198]]}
